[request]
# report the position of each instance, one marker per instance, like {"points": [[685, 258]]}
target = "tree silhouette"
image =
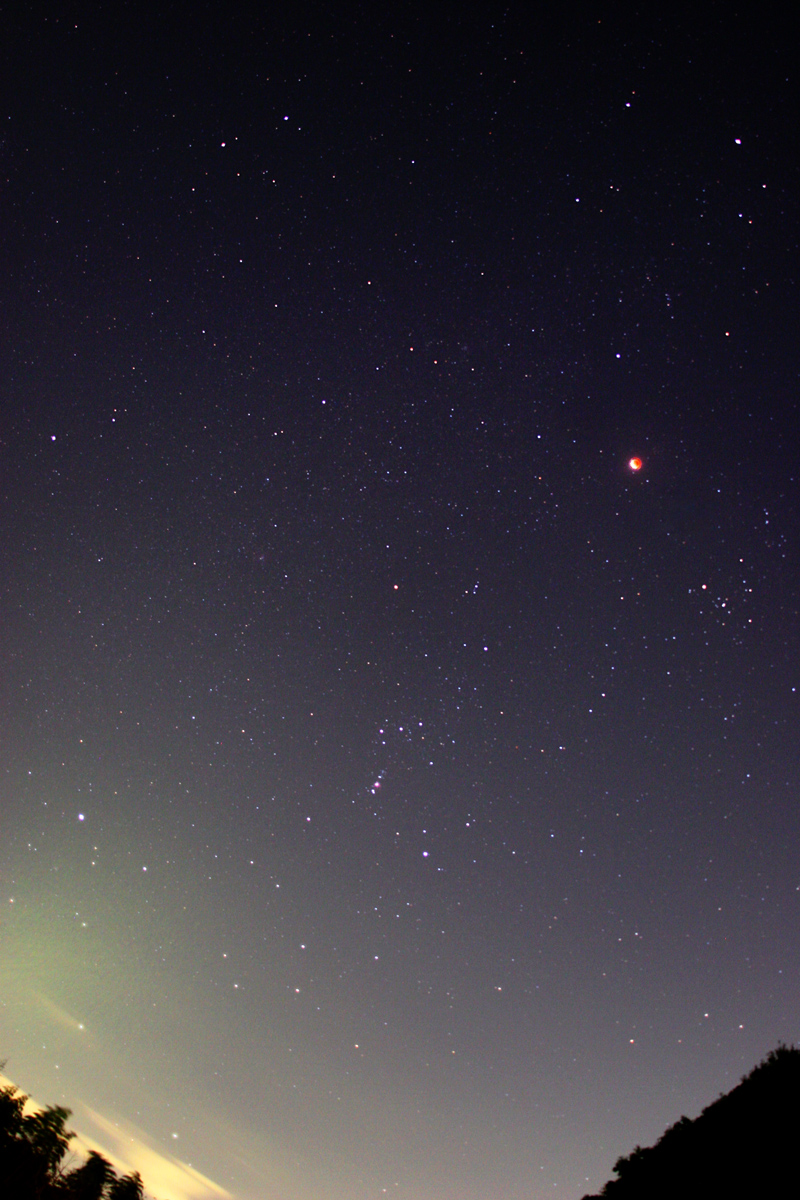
{"points": [[88, 1181], [741, 1145], [126, 1187], [33, 1147]]}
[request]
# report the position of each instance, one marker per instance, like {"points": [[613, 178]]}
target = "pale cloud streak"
{"points": [[129, 1149], [165, 1176]]}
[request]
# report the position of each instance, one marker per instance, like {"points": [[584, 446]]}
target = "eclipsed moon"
{"points": [[635, 464]]}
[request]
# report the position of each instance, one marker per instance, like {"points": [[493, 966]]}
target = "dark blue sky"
{"points": [[399, 791]]}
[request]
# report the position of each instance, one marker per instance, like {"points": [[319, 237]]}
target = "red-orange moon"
{"points": [[635, 464]]}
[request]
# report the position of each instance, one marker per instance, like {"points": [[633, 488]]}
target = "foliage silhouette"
{"points": [[33, 1147], [739, 1146]]}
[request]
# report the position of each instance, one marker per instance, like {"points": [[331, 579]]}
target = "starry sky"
{"points": [[399, 790]]}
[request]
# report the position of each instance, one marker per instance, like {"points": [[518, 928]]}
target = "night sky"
{"points": [[399, 790]]}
